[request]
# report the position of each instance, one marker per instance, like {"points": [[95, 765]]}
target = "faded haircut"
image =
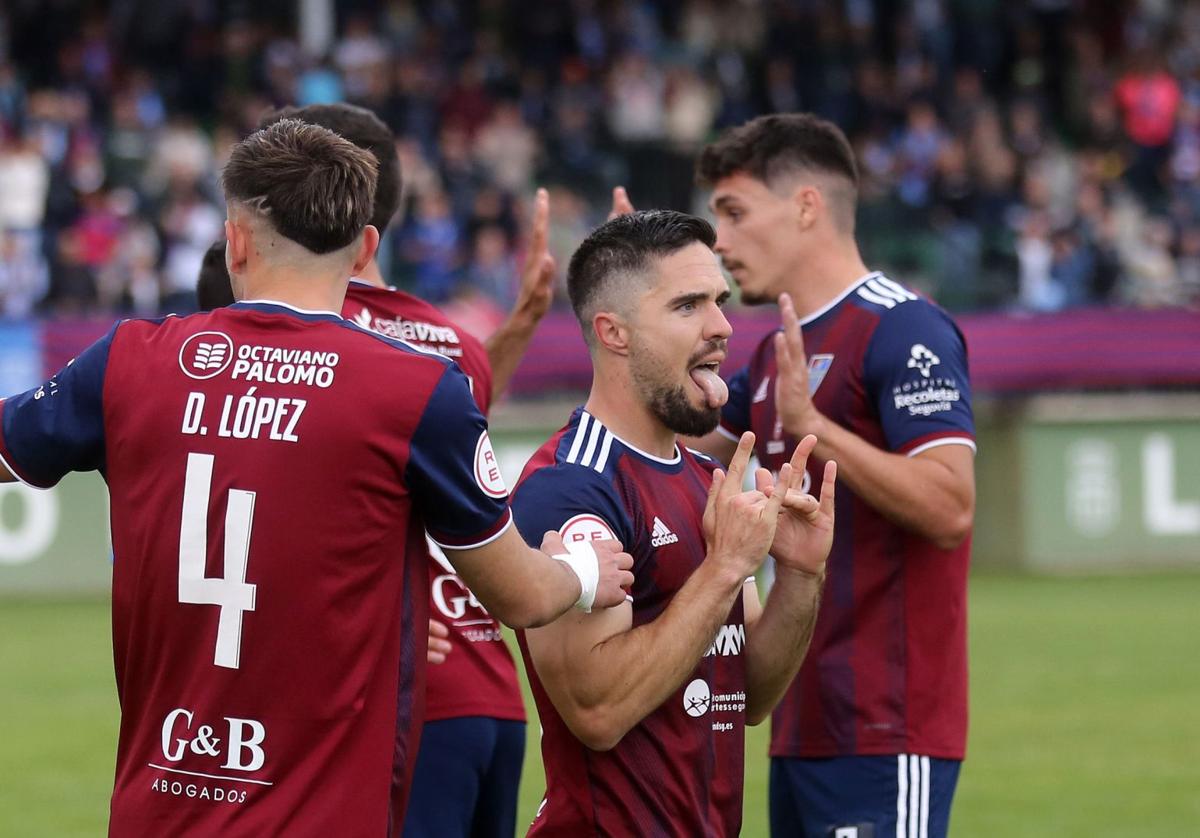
{"points": [[312, 186], [777, 147], [625, 247], [366, 130]]}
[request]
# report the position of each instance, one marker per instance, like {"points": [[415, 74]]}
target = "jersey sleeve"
{"points": [[735, 415], [575, 502], [58, 427], [452, 470], [916, 374]]}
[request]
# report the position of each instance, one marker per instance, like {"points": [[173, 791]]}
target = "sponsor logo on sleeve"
{"points": [[206, 355], [922, 360], [487, 470]]}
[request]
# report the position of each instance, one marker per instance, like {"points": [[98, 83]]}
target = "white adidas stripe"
{"points": [[883, 291], [870, 297], [580, 432], [602, 457], [590, 449], [895, 286], [912, 796]]}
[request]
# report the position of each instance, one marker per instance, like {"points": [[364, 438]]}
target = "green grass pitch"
{"points": [[1085, 716]]}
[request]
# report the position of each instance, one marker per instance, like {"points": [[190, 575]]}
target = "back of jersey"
{"points": [[268, 634]]}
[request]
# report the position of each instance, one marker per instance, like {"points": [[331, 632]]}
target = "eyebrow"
{"points": [[696, 297], [723, 201]]}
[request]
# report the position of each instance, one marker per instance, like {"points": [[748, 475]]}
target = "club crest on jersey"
{"points": [[487, 470], [661, 535], [922, 360], [205, 355], [818, 365]]}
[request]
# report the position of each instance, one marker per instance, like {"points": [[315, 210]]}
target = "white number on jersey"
{"points": [[230, 592]]}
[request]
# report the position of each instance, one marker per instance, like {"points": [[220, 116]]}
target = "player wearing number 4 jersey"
{"points": [[869, 738], [643, 706], [266, 488]]}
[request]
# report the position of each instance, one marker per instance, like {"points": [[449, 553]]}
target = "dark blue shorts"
{"points": [[901, 796], [466, 779]]}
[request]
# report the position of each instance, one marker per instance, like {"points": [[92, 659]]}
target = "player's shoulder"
{"points": [[580, 454], [892, 302]]}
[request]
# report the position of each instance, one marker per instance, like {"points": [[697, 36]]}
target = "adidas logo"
{"points": [[661, 534]]}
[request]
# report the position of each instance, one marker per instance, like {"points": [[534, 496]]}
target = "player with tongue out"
{"points": [[643, 706]]}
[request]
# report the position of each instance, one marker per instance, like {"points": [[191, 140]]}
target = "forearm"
{"points": [[520, 586], [778, 641], [621, 680], [506, 346], [918, 493]]}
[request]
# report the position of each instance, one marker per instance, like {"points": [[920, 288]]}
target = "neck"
{"points": [[300, 290], [828, 272], [372, 274], [628, 418]]}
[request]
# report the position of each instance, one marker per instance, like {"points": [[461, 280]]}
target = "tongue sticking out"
{"points": [[715, 391]]}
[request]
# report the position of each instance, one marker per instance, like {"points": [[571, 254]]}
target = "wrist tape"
{"points": [[581, 558]]}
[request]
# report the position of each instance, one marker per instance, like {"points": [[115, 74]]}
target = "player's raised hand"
{"points": [[804, 533], [739, 526], [621, 205], [605, 571], [537, 274], [793, 400], [439, 643]]}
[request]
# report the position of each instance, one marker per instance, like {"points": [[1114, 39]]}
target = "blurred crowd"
{"points": [[1030, 155]]}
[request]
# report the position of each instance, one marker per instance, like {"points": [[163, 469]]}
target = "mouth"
{"points": [[706, 376]]}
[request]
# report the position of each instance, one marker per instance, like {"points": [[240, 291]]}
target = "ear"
{"points": [[611, 332], [366, 250], [809, 204], [238, 247]]}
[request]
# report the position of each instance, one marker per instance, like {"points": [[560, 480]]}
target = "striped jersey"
{"points": [[887, 669], [272, 474], [678, 771], [479, 676]]}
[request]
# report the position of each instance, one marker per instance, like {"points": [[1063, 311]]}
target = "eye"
{"points": [[687, 307]]}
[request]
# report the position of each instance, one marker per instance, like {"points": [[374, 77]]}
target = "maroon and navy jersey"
{"points": [[479, 677], [887, 669], [678, 771], [272, 474]]}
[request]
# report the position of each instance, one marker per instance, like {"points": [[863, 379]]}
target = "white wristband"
{"points": [[581, 558]]}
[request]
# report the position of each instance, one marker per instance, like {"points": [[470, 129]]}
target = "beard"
{"points": [[669, 402], [670, 406]]}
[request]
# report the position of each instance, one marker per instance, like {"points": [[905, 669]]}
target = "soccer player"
{"points": [[872, 732], [643, 706], [472, 744], [270, 466]]}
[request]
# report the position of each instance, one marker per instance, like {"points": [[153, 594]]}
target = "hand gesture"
{"points": [[740, 526], [804, 533], [439, 643], [537, 274], [621, 204], [793, 401], [614, 568]]}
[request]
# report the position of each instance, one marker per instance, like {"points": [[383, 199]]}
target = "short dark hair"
{"points": [[768, 146], [315, 188], [213, 289], [363, 128], [623, 246]]}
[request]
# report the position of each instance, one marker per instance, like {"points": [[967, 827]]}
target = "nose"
{"points": [[721, 247], [718, 325]]}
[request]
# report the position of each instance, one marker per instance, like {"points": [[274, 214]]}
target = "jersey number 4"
{"points": [[230, 592]]}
